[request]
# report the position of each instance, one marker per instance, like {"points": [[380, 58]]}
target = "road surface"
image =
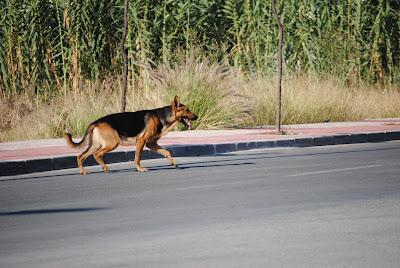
{"points": [[332, 206]]}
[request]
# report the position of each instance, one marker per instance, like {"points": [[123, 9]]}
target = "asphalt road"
{"points": [[333, 206]]}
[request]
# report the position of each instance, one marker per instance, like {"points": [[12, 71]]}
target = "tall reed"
{"points": [[52, 46]]}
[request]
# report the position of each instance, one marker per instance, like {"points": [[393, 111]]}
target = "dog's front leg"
{"points": [[158, 149], [139, 147]]}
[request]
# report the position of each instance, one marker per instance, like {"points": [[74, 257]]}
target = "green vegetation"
{"points": [[49, 45], [60, 60]]}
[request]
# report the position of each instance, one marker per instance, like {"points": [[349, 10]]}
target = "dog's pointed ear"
{"points": [[176, 102]]}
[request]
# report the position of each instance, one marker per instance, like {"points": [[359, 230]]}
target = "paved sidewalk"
{"points": [[43, 155]]}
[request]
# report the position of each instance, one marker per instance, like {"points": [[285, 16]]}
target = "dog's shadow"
{"points": [[186, 166]]}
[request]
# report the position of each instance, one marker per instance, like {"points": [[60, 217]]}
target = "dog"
{"points": [[140, 128]]}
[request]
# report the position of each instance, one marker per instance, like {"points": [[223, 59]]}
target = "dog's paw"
{"points": [[141, 169], [173, 163]]}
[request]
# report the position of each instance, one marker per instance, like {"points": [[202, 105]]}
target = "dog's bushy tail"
{"points": [[83, 142]]}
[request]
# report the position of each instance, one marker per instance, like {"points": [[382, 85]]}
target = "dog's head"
{"points": [[182, 113]]}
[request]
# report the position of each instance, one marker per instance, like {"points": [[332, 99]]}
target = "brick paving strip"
{"points": [[44, 155]]}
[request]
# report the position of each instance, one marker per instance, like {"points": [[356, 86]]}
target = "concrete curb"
{"points": [[10, 168]]}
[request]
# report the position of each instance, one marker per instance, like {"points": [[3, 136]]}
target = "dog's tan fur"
{"points": [[106, 133]]}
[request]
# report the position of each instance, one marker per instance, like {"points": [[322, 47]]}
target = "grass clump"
{"points": [[212, 91]]}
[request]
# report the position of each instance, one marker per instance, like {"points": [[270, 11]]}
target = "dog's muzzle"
{"points": [[186, 121]]}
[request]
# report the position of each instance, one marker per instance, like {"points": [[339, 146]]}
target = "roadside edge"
{"points": [[11, 168]]}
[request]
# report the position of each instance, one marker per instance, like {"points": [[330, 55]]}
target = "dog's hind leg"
{"points": [[90, 150], [109, 140], [158, 149], [98, 155]]}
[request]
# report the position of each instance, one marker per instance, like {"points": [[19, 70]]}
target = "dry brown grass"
{"points": [[309, 99], [49, 118], [221, 96]]}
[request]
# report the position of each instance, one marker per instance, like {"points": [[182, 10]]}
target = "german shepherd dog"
{"points": [[142, 128]]}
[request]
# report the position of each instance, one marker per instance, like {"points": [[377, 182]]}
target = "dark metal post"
{"points": [[125, 56], [279, 66]]}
